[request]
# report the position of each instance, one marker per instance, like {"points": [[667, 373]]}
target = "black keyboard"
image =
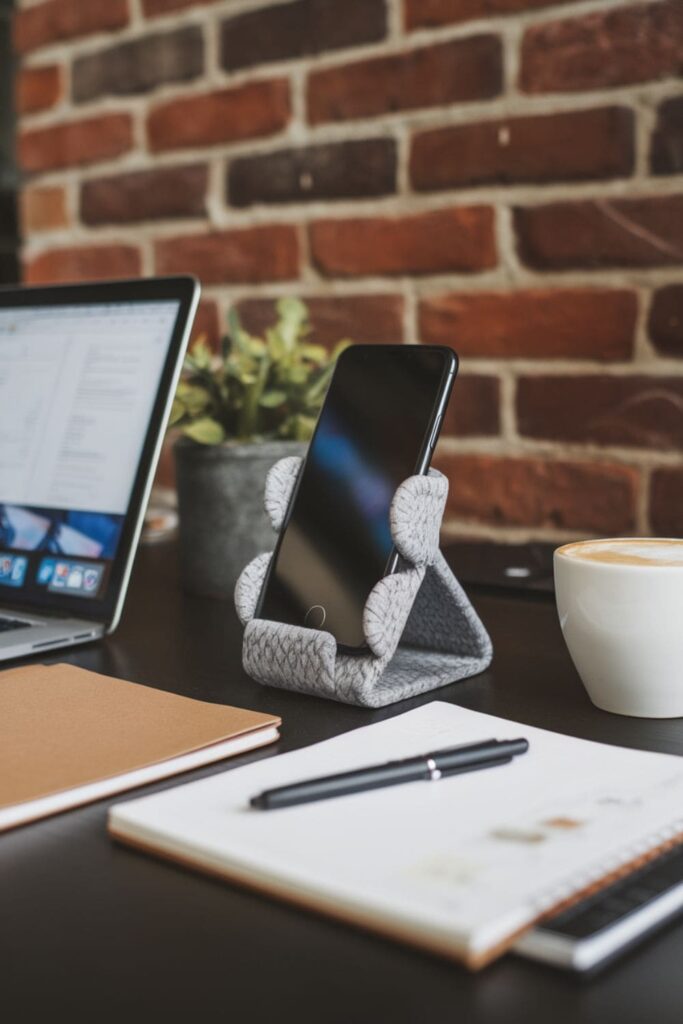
{"points": [[7, 624], [602, 925], [622, 898]]}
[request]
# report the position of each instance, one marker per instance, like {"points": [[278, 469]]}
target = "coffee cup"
{"points": [[620, 603]]}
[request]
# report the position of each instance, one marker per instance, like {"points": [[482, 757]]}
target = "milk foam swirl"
{"points": [[638, 551]]}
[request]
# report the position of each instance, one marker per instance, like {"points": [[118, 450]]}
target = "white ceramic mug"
{"points": [[620, 603]]}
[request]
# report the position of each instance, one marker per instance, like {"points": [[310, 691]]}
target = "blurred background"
{"points": [[504, 176]]}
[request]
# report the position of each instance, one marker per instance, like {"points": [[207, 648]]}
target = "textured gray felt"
{"points": [[419, 625]]}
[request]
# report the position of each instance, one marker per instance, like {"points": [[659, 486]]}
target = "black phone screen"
{"points": [[373, 432]]}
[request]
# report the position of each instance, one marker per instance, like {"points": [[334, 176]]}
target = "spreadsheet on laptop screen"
{"points": [[77, 389]]}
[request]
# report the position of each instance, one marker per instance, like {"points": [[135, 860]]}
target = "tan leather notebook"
{"points": [[68, 737]]}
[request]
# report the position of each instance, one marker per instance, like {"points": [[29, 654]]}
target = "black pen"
{"points": [[427, 767]]}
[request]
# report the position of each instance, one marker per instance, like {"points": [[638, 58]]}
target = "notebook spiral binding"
{"points": [[604, 873], [420, 628]]}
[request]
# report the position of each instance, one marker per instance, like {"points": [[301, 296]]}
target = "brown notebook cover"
{"points": [[68, 736]]}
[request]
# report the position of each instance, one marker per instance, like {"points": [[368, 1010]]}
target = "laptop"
{"points": [[87, 378]]}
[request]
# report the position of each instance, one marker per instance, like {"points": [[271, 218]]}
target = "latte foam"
{"points": [[638, 551]]}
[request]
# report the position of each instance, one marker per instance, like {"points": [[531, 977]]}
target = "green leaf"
{"points": [[276, 346], [339, 348], [315, 393], [205, 431], [304, 427], [293, 316], [255, 387], [200, 354], [316, 353], [177, 412], [292, 311], [194, 397], [238, 336], [234, 323], [298, 375], [242, 369], [271, 399], [257, 347]]}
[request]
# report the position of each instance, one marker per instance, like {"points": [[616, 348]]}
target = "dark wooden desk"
{"points": [[97, 932]]}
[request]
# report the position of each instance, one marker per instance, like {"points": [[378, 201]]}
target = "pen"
{"points": [[426, 767]]}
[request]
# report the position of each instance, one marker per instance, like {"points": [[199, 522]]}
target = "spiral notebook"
{"points": [[462, 866]]}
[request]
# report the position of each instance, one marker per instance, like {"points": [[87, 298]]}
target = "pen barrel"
{"points": [[379, 777], [413, 769], [462, 758]]}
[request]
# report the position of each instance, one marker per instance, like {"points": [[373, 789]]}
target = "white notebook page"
{"points": [[460, 864]]}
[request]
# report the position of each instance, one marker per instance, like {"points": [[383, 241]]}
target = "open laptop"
{"points": [[87, 378]]}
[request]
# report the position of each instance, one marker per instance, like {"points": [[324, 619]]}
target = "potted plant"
{"points": [[239, 411]]}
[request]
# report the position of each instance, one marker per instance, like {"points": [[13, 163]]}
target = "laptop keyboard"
{"points": [[7, 624]]}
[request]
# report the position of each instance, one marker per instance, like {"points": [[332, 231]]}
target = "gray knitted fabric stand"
{"points": [[418, 622]]}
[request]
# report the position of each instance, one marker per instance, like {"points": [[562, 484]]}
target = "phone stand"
{"points": [[419, 625]]}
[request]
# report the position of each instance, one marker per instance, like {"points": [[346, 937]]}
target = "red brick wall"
{"points": [[502, 175]]}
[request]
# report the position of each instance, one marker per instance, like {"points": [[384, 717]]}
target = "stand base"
{"points": [[420, 627]]}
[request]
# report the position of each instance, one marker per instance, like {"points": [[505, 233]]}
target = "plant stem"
{"points": [[246, 427]]}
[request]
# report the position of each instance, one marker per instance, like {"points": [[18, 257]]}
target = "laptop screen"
{"points": [[78, 385]]}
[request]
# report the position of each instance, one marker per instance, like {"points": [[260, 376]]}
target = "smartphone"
{"points": [[378, 425]]}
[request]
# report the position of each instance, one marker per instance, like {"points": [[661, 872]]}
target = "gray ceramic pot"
{"points": [[220, 502]]}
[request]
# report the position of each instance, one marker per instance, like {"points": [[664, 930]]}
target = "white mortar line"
{"points": [[137, 18], [508, 418], [411, 327], [643, 502], [553, 448], [456, 528]]}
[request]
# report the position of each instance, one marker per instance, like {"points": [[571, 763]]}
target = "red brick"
{"points": [[38, 88], [159, 194], [666, 502], [573, 323], [153, 8], [365, 319], [57, 20], [474, 408], [553, 147], [43, 208], [562, 495], [644, 232], [352, 169], [665, 322], [458, 71], [245, 256], [431, 13], [242, 112], [425, 243], [75, 143], [139, 65], [636, 412], [666, 152], [207, 324], [83, 263], [632, 43], [300, 28]]}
